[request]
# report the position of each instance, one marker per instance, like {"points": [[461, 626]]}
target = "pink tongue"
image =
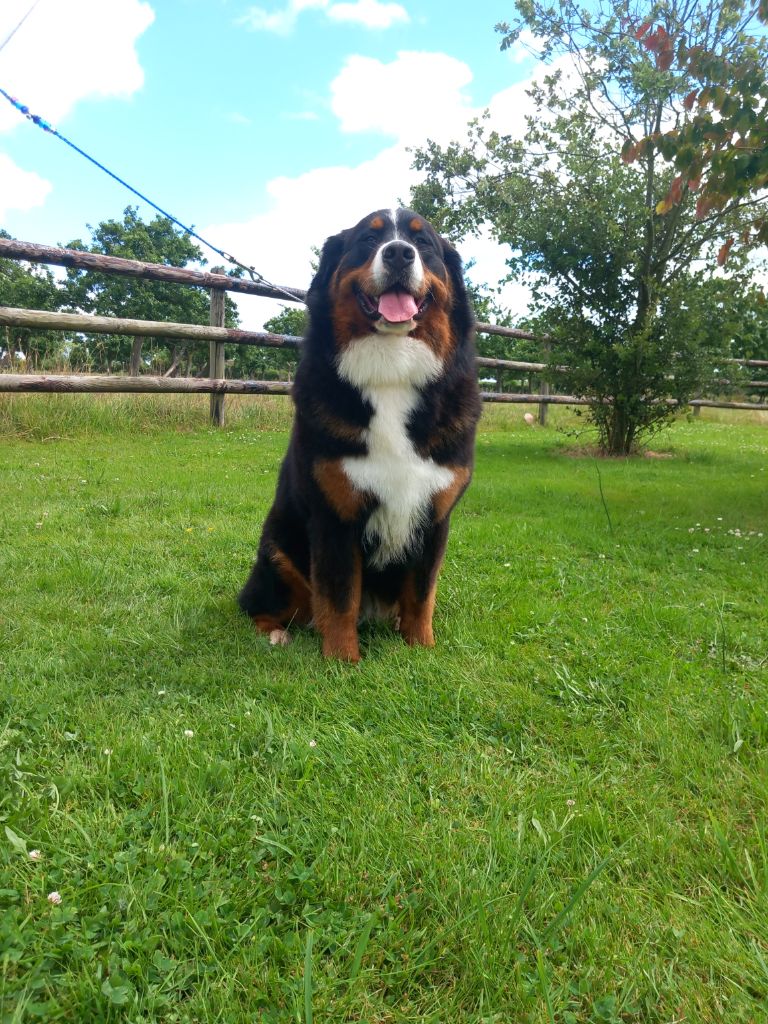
{"points": [[397, 306]]}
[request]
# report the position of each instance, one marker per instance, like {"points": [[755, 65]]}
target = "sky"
{"points": [[266, 127]]}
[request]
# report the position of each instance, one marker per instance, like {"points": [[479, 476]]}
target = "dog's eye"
{"points": [[423, 242], [371, 240]]}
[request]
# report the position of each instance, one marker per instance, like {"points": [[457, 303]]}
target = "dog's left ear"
{"points": [[464, 317], [329, 261]]}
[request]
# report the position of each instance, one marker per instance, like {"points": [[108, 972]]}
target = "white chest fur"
{"points": [[388, 372]]}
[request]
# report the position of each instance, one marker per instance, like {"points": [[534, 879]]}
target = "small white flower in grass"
{"points": [[38, 525], [35, 855], [54, 898], [529, 418], [108, 751], [313, 743], [695, 551], [188, 732], [570, 803], [161, 693]]}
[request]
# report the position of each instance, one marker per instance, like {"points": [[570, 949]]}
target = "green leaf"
{"points": [[16, 841]]}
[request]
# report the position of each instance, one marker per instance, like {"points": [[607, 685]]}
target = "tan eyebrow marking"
{"points": [[416, 224], [377, 223]]}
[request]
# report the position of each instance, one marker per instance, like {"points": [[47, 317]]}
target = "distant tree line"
{"points": [[30, 286]]}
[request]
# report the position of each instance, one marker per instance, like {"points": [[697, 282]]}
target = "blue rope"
{"points": [[48, 127]]}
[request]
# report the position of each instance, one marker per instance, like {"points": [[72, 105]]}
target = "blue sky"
{"points": [[267, 126]]}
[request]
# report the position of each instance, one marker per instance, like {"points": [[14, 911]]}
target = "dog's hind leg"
{"points": [[276, 594]]}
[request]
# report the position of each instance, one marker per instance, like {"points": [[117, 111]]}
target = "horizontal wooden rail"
{"points": [[11, 249], [88, 324], [117, 384], [510, 364], [509, 332]]}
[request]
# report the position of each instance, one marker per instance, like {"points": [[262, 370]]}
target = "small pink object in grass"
{"points": [[54, 898], [529, 418]]}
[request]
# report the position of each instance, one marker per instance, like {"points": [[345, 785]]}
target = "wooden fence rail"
{"points": [[218, 283]]}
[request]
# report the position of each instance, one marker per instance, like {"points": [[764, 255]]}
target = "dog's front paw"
{"points": [[279, 638], [346, 649]]}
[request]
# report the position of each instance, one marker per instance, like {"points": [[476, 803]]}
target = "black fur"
{"points": [[329, 550]]}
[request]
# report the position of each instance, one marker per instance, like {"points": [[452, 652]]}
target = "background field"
{"points": [[559, 814]]}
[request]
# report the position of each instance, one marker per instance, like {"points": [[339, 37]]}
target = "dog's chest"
{"points": [[402, 480]]}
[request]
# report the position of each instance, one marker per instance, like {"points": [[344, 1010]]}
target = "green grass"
{"points": [[558, 815]]}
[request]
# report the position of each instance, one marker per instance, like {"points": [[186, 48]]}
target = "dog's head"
{"points": [[391, 277]]}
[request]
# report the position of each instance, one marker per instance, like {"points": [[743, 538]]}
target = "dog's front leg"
{"points": [[336, 588]]}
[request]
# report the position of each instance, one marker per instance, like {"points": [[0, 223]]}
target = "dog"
{"points": [[382, 447]]}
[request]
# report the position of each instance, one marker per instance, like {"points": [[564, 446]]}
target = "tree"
{"points": [[254, 363], [27, 286], [616, 286], [157, 241], [721, 150]]}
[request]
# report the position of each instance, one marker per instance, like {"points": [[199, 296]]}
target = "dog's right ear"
{"points": [[329, 261]]}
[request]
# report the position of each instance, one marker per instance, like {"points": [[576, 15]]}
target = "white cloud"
{"points": [[20, 189], [281, 22], [370, 95], [370, 13], [65, 52], [527, 46]]}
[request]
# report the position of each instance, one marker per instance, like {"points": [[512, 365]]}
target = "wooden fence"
{"points": [[217, 335]]}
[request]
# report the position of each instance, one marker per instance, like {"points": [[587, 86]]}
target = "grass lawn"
{"points": [[557, 815]]}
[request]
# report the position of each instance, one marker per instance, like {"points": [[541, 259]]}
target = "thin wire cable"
{"points": [[256, 277], [13, 32]]}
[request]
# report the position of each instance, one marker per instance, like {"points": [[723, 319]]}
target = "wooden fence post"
{"points": [[135, 365], [216, 367], [543, 406]]}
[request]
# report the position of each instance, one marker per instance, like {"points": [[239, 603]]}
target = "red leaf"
{"points": [[690, 99], [676, 191], [694, 184], [643, 29], [629, 152], [703, 206], [653, 41], [722, 256], [664, 60]]}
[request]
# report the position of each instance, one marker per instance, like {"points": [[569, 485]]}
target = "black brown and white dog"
{"points": [[382, 445]]}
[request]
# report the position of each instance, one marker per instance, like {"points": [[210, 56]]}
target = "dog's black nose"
{"points": [[398, 255]]}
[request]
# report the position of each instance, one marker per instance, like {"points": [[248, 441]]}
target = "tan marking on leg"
{"points": [[415, 615], [339, 628], [445, 500], [299, 607], [338, 490]]}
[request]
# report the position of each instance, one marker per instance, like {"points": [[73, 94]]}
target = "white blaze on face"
{"points": [[379, 272]]}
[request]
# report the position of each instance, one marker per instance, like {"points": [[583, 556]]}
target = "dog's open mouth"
{"points": [[396, 305]]}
